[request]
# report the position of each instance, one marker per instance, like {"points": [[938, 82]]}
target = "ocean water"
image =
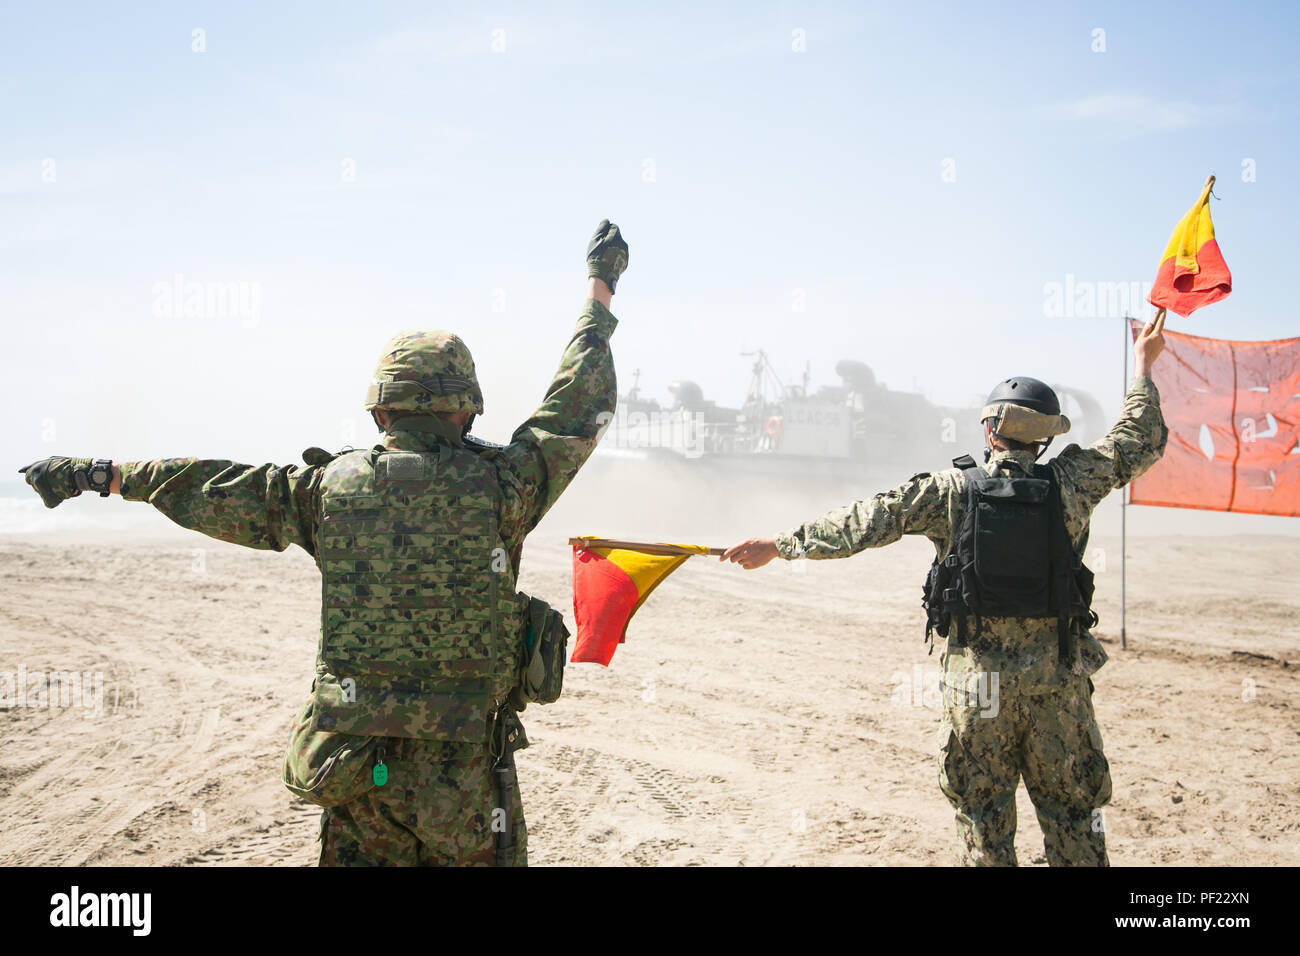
{"points": [[23, 513]]}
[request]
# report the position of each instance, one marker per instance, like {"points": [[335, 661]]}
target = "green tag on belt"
{"points": [[380, 775]]}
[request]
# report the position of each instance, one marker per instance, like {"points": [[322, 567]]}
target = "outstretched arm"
{"points": [[916, 507], [268, 507]]}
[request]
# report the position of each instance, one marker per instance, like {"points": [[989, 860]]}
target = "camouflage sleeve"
{"points": [[268, 507], [1133, 445], [918, 506], [546, 451]]}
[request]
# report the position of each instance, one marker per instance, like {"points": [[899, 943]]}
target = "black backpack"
{"points": [[1011, 557]]}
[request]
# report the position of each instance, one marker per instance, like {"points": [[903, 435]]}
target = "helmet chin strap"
{"points": [[468, 425]]}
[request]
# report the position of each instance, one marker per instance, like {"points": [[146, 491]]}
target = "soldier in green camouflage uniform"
{"points": [[419, 542], [1042, 727]]}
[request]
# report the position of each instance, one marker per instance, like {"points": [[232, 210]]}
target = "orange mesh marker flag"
{"points": [[1192, 272], [611, 580], [1233, 411]]}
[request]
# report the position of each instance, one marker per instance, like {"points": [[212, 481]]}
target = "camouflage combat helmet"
{"points": [[427, 370]]}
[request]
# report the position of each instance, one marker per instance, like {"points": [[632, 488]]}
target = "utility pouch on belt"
{"points": [[545, 649], [324, 768]]}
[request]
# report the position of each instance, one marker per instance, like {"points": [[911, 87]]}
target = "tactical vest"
{"points": [[420, 627], [1011, 557]]}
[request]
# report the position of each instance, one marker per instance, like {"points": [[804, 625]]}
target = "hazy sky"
{"points": [[894, 182]]}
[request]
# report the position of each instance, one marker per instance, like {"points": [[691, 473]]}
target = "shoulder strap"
{"points": [[482, 448], [1063, 561], [318, 456]]}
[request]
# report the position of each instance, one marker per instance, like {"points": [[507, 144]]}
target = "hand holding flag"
{"points": [[1148, 345], [751, 554]]}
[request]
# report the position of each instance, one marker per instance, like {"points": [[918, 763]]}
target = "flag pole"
{"points": [[1123, 516], [645, 547]]}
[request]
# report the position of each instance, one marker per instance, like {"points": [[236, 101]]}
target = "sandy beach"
{"points": [[777, 717]]}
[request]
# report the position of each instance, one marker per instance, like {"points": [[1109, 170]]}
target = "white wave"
{"points": [[30, 516]]}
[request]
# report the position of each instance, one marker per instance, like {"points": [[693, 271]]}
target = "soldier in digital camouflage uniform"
{"points": [[1042, 727], [419, 542]]}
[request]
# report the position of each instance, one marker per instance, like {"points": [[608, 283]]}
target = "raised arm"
{"points": [[1135, 442], [547, 450]]}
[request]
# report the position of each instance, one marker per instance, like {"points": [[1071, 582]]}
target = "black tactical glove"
{"points": [[606, 254], [56, 479]]}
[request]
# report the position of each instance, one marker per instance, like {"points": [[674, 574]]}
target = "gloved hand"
{"points": [[52, 478], [606, 254]]}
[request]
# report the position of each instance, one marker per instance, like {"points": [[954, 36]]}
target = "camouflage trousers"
{"points": [[438, 808], [1052, 740]]}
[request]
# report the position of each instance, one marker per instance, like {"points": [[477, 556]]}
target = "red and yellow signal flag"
{"points": [[611, 580], [1192, 272]]}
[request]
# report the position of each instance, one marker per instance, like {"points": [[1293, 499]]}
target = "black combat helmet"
{"points": [[1031, 394], [1026, 391]]}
